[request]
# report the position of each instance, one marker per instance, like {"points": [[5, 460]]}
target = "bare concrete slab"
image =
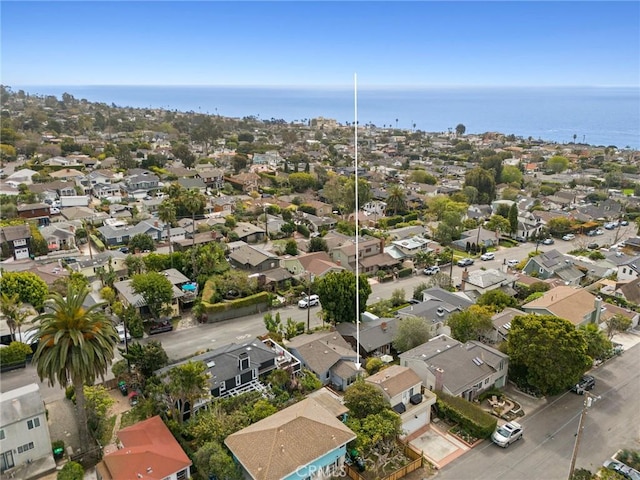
{"points": [[438, 447]]}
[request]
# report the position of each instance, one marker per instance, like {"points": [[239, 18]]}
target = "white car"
{"points": [[487, 256], [512, 263], [121, 332], [568, 236], [506, 434], [431, 270], [307, 302]]}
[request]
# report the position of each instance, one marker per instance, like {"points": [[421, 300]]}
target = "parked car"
{"points": [[587, 382], [610, 226], [431, 270], [506, 434], [591, 233], [121, 333], [512, 263], [160, 326], [599, 231], [593, 246], [624, 223], [520, 238], [548, 241], [465, 262], [487, 256], [625, 470], [310, 301], [568, 237]]}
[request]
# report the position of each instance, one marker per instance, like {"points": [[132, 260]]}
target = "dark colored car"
{"points": [[587, 382], [548, 241], [160, 326], [593, 246], [521, 239]]}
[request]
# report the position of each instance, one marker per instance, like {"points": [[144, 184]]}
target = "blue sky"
{"points": [[321, 43]]}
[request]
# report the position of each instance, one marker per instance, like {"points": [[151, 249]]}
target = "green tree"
{"points": [[141, 242], [497, 300], [498, 222], [396, 200], [214, 461], [134, 264], [421, 176], [546, 352], [412, 331], [349, 193], [194, 202], [513, 219], [558, 163], [617, 323], [29, 287], [146, 358], [397, 297], [377, 435], [167, 214], [98, 404], [337, 295], [124, 158], [484, 181], [156, 290], [511, 174], [301, 182], [70, 471], [363, 399], [183, 153], [449, 228], [598, 345], [291, 247], [318, 244], [494, 165], [262, 409], [460, 129], [474, 323], [15, 312], [559, 226], [75, 344], [188, 383]]}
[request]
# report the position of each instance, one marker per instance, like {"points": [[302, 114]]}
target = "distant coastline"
{"points": [[595, 115]]}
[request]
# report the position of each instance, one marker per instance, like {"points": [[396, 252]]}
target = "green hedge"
{"points": [[15, 352], [98, 243], [405, 272], [471, 418], [262, 297]]}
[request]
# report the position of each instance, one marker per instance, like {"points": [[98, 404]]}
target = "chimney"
{"points": [[439, 374], [383, 326], [598, 312], [155, 224], [465, 277]]}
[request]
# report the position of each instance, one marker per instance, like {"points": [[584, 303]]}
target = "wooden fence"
{"points": [[416, 462]]}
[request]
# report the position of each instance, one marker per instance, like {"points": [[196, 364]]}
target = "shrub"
{"points": [[471, 418], [629, 457], [16, 352], [70, 393], [405, 272], [71, 471], [374, 365], [262, 297]]}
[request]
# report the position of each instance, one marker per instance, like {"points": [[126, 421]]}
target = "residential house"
{"points": [[118, 233], [406, 249], [628, 265], [436, 307], [402, 388], [574, 304], [253, 260], [235, 369], [21, 176], [211, 176], [328, 355], [192, 183], [371, 255], [316, 264], [147, 450], [128, 297], [18, 238], [249, 233], [477, 282], [553, 264], [140, 183], [82, 214], [376, 335], [374, 207], [629, 291], [315, 223], [223, 205], [304, 440], [109, 259], [478, 236], [106, 191], [633, 243], [67, 174], [35, 211], [460, 369], [25, 443], [200, 239], [502, 324], [605, 210], [322, 209], [59, 236], [246, 182], [404, 233]]}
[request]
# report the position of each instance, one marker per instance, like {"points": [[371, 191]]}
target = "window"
{"points": [[238, 380], [182, 475], [1, 434], [33, 423], [25, 447], [328, 374], [254, 373], [486, 380], [222, 387]]}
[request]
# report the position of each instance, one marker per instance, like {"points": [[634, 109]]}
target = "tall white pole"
{"points": [[355, 136]]}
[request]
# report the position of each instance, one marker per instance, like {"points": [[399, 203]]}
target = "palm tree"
{"points": [[193, 202], [167, 213], [396, 200], [75, 344], [9, 306]]}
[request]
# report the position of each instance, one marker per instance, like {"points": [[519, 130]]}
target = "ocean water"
{"points": [[596, 115]]}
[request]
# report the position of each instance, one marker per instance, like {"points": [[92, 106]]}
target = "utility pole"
{"points": [[588, 401], [309, 305], [451, 271]]}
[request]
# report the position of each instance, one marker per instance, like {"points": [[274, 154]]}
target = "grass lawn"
{"points": [[107, 430]]}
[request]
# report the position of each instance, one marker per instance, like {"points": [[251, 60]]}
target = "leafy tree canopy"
{"points": [[142, 242], [337, 295], [497, 300], [363, 399], [412, 331], [156, 290], [29, 287], [470, 324]]}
